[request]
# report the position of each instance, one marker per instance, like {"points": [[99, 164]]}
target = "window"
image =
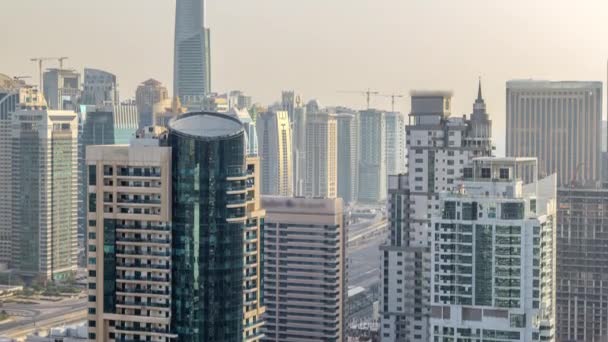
{"points": [[512, 211], [449, 210], [486, 172], [504, 173], [469, 211], [92, 261], [92, 203], [92, 174], [468, 172]]}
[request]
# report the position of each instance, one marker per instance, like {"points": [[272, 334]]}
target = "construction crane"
{"points": [[40, 60], [393, 97], [368, 94]]}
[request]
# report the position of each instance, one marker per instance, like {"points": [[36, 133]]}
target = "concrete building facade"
{"points": [[560, 123], [275, 150], [438, 148], [62, 89], [494, 255], [348, 156], [395, 143], [147, 95], [321, 178], [100, 88], [372, 156], [305, 269]]}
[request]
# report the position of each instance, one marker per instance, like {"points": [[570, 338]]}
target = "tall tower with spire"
{"points": [[481, 125], [192, 57]]}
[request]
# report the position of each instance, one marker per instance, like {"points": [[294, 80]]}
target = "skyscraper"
{"points": [[9, 100], [274, 139], [305, 269], [438, 148], [348, 156], [44, 193], [192, 57], [62, 89], [100, 88], [582, 264], [560, 123], [395, 143], [299, 149], [176, 251], [147, 95], [372, 156], [494, 255], [321, 177]]}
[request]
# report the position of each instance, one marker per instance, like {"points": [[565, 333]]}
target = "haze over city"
{"points": [[318, 47], [312, 170]]}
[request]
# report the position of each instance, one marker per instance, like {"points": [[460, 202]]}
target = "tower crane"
{"points": [[40, 60], [393, 97], [368, 94]]}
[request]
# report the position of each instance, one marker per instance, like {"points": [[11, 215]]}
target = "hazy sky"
{"points": [[318, 47]]}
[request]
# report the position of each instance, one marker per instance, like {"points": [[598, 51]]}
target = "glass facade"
{"points": [[209, 220]]}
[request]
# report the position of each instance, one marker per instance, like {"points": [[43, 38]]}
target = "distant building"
{"points": [[395, 143], [560, 123], [305, 269], [166, 110], [582, 264], [238, 99], [290, 101], [321, 177], [372, 156], [274, 139], [100, 88], [44, 193], [212, 102], [62, 89], [299, 149], [192, 55], [348, 156], [493, 274], [75, 333], [147, 95], [250, 130]]}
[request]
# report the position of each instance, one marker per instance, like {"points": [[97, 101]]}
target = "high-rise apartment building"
{"points": [[9, 101], [62, 89], [438, 148], [493, 264], [305, 269], [290, 101], [237, 99], [192, 57], [175, 235], [274, 139], [348, 156], [321, 177], [372, 156], [582, 264], [250, 129], [395, 143], [147, 95], [100, 88], [44, 192], [299, 149], [560, 123]]}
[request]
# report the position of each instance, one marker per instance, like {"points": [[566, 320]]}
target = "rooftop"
{"points": [[206, 125], [542, 84]]}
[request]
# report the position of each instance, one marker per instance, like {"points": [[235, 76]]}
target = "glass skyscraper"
{"points": [[201, 269], [192, 60]]}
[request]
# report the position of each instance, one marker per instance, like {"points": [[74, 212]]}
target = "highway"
{"points": [[30, 318], [363, 251]]}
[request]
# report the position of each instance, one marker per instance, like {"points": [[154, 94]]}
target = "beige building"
{"points": [[129, 241], [161, 268], [321, 177], [560, 124], [305, 267], [147, 95], [275, 150]]}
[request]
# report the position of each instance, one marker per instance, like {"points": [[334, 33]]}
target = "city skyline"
{"points": [[494, 43]]}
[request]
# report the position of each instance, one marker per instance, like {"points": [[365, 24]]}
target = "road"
{"points": [[363, 251], [34, 317]]}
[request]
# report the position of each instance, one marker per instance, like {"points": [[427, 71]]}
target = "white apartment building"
{"points": [[438, 148], [494, 259]]}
